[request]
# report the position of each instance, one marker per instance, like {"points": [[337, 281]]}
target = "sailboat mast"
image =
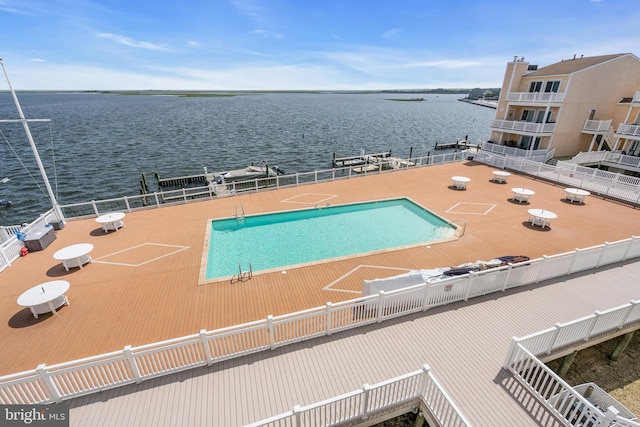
{"points": [[25, 125]]}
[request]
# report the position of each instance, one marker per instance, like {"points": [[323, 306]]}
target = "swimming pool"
{"points": [[286, 239]]}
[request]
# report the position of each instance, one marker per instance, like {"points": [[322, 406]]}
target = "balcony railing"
{"points": [[524, 127], [636, 98], [628, 130], [596, 126], [535, 97]]}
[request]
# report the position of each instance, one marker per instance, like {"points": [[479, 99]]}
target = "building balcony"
{"points": [[628, 131], [596, 127], [636, 98], [535, 98], [524, 128]]}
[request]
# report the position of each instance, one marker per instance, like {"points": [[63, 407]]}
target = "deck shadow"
{"points": [[528, 402], [24, 318], [528, 225]]}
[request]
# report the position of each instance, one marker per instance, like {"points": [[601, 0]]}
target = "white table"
{"points": [[500, 176], [74, 255], [460, 182], [522, 195], [111, 221], [541, 217], [45, 297], [576, 194]]}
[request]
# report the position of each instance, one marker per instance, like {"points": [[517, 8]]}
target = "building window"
{"points": [[535, 86], [552, 86]]}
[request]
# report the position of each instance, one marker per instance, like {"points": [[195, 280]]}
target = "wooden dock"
{"points": [[462, 144], [361, 159]]}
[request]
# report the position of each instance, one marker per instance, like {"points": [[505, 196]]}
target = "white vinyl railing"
{"points": [[415, 388], [598, 126], [164, 198], [522, 126], [604, 183], [503, 150], [10, 246], [134, 364], [628, 130], [555, 393], [536, 97]]}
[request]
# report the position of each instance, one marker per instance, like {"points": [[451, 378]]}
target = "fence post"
{"points": [[95, 207], [544, 259], [205, 342], [552, 341], [126, 203], [596, 316], [604, 249], [573, 259], [469, 282], [366, 389], [272, 341], [296, 415], [155, 195], [328, 321], [507, 277], [424, 378], [425, 298], [380, 313], [512, 348], [51, 387], [626, 316], [132, 362], [626, 252]]}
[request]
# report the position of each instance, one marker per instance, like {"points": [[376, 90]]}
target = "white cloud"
{"points": [[391, 34], [193, 44], [267, 34], [128, 41]]}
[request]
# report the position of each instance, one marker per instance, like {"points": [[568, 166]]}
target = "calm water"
{"points": [[284, 239], [98, 145]]}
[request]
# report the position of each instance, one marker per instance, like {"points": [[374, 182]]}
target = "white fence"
{"points": [[415, 388], [134, 364], [607, 184], [503, 150], [10, 246], [164, 198], [555, 393], [615, 157]]}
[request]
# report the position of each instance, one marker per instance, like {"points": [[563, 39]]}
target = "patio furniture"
{"points": [[111, 221], [541, 217], [576, 195], [521, 195], [45, 297], [500, 176], [74, 255], [460, 182]]}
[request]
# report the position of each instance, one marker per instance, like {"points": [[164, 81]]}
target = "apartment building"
{"points": [[576, 105]]}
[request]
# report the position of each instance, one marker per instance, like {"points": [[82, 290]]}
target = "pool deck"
{"points": [[143, 285]]}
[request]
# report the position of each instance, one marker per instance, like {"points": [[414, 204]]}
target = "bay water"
{"points": [[97, 145]]}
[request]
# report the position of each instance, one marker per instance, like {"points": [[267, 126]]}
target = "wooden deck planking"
{"points": [[465, 344], [115, 305]]}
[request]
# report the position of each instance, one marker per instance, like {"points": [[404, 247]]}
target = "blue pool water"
{"points": [[284, 239]]}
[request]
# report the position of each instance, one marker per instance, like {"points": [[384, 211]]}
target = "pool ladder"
{"points": [[242, 275], [240, 218]]}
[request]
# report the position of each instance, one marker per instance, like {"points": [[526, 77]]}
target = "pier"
{"points": [[462, 144], [361, 159]]}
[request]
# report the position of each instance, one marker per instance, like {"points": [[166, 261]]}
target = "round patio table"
{"points": [[500, 176], [74, 255], [460, 182], [541, 217], [576, 195], [45, 297], [522, 195], [111, 221]]}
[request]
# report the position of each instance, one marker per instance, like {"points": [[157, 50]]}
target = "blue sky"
{"points": [[299, 44]]}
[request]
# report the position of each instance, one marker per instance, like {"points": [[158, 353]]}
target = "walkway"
{"points": [[464, 343]]}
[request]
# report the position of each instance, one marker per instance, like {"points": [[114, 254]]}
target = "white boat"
{"points": [[248, 173]]}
